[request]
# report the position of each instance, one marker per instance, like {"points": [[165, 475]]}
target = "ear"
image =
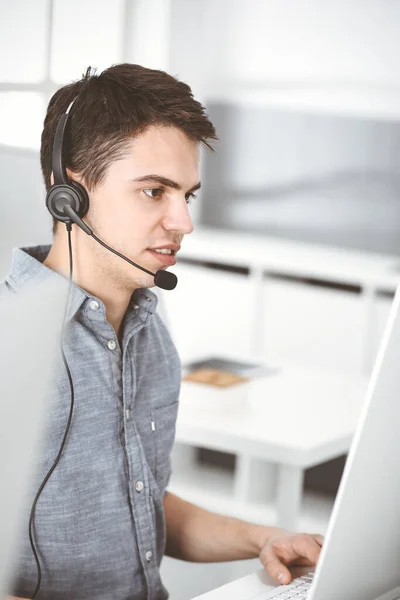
{"points": [[70, 175], [75, 177]]}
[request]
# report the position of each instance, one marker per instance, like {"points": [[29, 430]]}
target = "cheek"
{"points": [[111, 211], [125, 218]]}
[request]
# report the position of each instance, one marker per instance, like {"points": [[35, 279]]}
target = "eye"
{"points": [[190, 197], [153, 192]]}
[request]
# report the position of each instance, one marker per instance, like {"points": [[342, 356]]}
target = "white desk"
{"points": [[245, 588], [283, 308], [295, 419]]}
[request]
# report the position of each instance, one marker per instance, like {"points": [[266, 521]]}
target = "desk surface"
{"points": [[299, 417], [242, 589]]}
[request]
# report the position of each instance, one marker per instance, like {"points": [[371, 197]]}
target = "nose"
{"points": [[178, 217]]}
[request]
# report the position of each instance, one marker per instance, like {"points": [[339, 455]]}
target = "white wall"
{"points": [[314, 41], [312, 48]]}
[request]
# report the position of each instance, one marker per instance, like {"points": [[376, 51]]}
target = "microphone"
{"points": [[163, 279]]}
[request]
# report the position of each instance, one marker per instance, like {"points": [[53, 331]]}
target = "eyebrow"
{"points": [[165, 181]]}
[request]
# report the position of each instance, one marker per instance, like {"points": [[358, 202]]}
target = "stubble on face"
{"points": [[119, 274]]}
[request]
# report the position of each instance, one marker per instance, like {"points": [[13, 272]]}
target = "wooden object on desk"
{"points": [[214, 377]]}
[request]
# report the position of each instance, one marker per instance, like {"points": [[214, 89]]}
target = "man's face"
{"points": [[143, 204]]}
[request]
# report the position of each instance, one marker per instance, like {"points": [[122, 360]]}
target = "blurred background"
{"points": [[296, 251]]}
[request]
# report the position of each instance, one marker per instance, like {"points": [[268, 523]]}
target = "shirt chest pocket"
{"points": [[157, 434]]}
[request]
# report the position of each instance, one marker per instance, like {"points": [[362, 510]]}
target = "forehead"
{"points": [[165, 151]]}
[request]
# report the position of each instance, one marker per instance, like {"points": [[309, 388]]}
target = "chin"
{"points": [[142, 281]]}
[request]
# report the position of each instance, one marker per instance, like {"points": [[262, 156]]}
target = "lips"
{"points": [[174, 247], [165, 259]]}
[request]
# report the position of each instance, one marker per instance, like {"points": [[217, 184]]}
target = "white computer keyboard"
{"points": [[297, 589]]}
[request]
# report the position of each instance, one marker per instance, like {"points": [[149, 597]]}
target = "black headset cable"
{"points": [[64, 440]]}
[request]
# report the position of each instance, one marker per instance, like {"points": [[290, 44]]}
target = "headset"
{"points": [[68, 202]]}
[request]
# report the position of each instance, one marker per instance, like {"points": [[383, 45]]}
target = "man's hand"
{"points": [[197, 535], [290, 549]]}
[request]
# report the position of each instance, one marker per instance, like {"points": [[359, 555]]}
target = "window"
{"points": [[49, 43], [24, 41], [21, 118]]}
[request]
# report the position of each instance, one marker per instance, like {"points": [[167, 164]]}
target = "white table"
{"points": [[245, 588], [294, 420]]}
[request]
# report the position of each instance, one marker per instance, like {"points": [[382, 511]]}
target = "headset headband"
{"points": [[57, 158]]}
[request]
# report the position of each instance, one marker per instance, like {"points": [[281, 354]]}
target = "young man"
{"points": [[104, 520]]}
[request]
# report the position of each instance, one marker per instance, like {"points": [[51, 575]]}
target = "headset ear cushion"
{"points": [[83, 198], [73, 195]]}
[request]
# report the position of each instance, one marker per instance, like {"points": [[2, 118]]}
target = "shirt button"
{"points": [[149, 555], [112, 345], [139, 486], [94, 305], [136, 306]]}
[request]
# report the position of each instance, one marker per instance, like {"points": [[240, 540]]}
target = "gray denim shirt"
{"points": [[99, 524]]}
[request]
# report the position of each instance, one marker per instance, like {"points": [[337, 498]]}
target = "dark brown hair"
{"points": [[113, 107]]}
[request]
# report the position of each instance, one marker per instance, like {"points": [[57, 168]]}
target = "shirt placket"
{"points": [[139, 485], [124, 390], [124, 385]]}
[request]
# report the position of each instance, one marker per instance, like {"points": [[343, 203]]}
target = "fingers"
{"points": [[318, 538], [306, 546], [302, 562], [300, 549], [274, 567]]}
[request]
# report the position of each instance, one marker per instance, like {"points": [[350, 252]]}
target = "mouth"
{"points": [[166, 256]]}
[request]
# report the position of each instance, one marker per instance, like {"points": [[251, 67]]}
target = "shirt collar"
{"points": [[27, 267]]}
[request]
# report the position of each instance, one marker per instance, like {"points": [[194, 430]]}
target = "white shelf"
{"points": [[212, 488], [301, 259]]}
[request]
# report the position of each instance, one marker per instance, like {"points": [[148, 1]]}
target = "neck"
{"points": [[88, 273]]}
